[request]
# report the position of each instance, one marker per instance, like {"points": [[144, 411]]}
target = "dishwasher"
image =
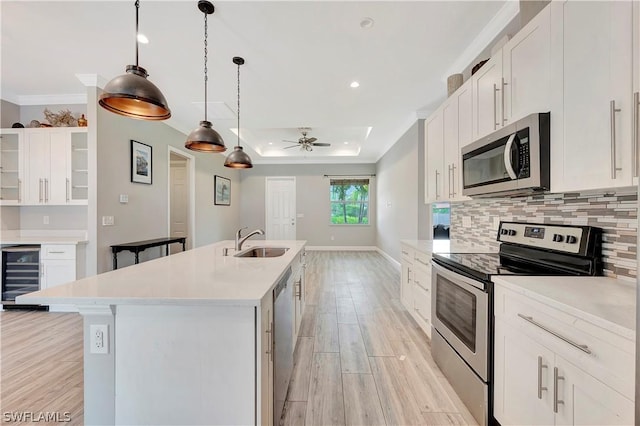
{"points": [[282, 342]]}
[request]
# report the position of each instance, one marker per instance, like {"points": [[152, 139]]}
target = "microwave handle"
{"points": [[507, 157]]}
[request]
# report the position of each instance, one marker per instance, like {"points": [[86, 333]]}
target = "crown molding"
{"points": [[78, 98], [498, 23], [92, 80]]}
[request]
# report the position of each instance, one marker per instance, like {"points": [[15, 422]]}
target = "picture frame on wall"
{"points": [[222, 196], [141, 163]]}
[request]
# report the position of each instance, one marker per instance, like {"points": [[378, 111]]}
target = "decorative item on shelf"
{"points": [[45, 125], [63, 118], [17, 126], [238, 159], [222, 196], [34, 123], [132, 95], [205, 138], [82, 122], [477, 66], [454, 81]]}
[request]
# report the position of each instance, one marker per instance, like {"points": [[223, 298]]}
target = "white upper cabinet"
{"points": [[593, 147], [11, 171], [487, 92], [526, 61], [434, 179]]}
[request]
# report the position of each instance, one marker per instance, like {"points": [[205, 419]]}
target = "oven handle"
{"points": [[460, 280], [583, 348], [507, 157]]}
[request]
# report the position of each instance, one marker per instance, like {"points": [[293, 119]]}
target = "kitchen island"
{"points": [[183, 339]]}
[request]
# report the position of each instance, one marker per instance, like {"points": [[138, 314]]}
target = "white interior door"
{"points": [[180, 203], [280, 208]]}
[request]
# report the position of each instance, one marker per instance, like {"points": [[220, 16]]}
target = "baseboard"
{"points": [[386, 255], [341, 248]]}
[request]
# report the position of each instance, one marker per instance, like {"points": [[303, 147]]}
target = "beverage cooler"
{"points": [[20, 273]]}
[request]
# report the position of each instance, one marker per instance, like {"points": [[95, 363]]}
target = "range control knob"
{"points": [[558, 238], [511, 232], [571, 239], [504, 231]]}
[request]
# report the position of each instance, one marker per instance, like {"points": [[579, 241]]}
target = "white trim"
{"points": [[387, 256], [92, 80], [191, 166], [341, 248], [76, 98], [496, 25], [266, 201]]}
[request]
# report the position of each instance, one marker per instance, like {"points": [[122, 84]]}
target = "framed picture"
{"points": [[141, 162], [223, 191]]}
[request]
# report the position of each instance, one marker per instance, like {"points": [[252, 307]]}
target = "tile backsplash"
{"points": [[616, 212]]}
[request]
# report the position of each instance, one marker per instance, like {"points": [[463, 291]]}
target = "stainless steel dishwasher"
{"points": [[283, 342]]}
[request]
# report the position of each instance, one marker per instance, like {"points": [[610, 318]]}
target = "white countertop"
{"points": [[202, 276], [446, 246], [42, 240], [11, 237], [606, 302]]}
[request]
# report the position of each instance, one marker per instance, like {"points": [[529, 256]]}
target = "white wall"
{"points": [[9, 114], [398, 193], [60, 217], [146, 215], [312, 200], [9, 218]]}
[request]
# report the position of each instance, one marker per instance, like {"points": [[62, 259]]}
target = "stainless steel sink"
{"points": [[263, 252]]}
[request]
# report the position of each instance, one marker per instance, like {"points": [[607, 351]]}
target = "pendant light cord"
{"points": [[137, 20], [238, 144], [205, 66]]}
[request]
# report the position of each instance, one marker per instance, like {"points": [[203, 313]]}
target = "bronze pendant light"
{"points": [[238, 159], [205, 138], [132, 95]]}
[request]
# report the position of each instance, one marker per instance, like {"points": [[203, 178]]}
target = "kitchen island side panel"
{"points": [[185, 365]]}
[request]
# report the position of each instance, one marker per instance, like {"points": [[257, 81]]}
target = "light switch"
{"points": [[107, 221], [299, 215], [45, 220], [124, 198]]}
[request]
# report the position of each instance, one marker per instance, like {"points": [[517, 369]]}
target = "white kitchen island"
{"points": [[188, 336]]}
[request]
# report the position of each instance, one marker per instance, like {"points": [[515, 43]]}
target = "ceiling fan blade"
{"points": [[292, 146], [310, 140], [321, 144], [296, 142]]}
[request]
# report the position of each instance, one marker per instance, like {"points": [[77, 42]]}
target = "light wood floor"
{"points": [[360, 358]]}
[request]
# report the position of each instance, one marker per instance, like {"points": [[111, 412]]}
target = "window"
{"points": [[349, 201]]}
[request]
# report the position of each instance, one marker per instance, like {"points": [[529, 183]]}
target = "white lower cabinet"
{"points": [[298, 294], [266, 360], [541, 378], [59, 265], [415, 286]]}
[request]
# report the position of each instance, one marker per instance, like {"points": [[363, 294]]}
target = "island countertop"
{"points": [[202, 276]]}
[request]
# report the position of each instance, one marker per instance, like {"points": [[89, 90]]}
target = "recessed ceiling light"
{"points": [[354, 84], [143, 39], [270, 143], [366, 23], [346, 143]]}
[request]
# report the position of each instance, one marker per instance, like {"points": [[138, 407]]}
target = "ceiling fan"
{"points": [[305, 143]]}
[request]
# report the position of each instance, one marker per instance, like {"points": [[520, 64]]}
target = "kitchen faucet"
{"points": [[240, 241]]}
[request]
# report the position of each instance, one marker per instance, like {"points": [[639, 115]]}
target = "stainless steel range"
{"points": [[462, 304]]}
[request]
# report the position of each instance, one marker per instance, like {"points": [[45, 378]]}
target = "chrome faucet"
{"points": [[240, 241]]}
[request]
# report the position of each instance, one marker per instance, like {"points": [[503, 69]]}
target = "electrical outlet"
{"points": [[107, 221], [45, 220], [99, 338], [466, 221], [332, 238]]}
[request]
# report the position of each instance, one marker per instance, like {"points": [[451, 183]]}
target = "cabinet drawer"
{"points": [[58, 251], [407, 253], [611, 356], [422, 259], [422, 303], [422, 278]]}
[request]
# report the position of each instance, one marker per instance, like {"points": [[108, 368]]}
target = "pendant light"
{"points": [[238, 159], [132, 95], [205, 138]]}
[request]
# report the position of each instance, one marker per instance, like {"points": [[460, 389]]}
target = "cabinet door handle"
{"points": [[612, 113], [404, 252], [437, 173], [634, 147], [504, 83], [420, 261], [453, 178], [408, 275], [269, 350], [19, 190], [55, 252], [495, 107], [46, 190], [556, 378], [583, 348], [67, 189], [299, 289], [540, 387], [40, 190]]}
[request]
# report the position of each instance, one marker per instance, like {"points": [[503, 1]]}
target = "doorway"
{"points": [[280, 208], [181, 197]]}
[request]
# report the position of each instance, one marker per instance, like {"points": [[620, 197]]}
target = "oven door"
{"points": [[460, 309]]}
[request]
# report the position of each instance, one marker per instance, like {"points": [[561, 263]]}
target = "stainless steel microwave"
{"points": [[511, 161]]}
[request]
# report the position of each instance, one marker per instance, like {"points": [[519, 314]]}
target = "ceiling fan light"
{"points": [[238, 159], [205, 139], [133, 96]]}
